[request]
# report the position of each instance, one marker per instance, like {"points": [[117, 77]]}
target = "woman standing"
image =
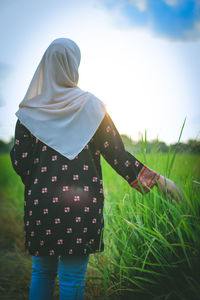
{"points": [[60, 134]]}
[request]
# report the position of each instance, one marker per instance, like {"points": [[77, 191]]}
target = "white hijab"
{"points": [[54, 109]]}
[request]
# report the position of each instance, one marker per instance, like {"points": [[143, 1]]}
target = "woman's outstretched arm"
{"points": [[138, 175]]}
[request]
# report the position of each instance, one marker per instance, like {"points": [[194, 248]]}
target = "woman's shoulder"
{"points": [[20, 127]]}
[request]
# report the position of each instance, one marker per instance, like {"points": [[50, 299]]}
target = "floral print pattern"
{"points": [[63, 205]]}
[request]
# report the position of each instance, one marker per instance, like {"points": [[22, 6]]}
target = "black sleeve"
{"points": [[110, 145], [21, 153]]}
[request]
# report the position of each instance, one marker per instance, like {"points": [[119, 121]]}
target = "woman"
{"points": [[60, 134]]}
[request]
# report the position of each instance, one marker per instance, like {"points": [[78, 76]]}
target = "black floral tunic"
{"points": [[63, 207]]}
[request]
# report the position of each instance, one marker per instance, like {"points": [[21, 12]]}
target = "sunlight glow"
{"points": [[147, 82]]}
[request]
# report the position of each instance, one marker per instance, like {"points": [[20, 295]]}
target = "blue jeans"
{"points": [[71, 271]]}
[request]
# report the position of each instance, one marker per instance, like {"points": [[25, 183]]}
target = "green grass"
{"points": [[152, 247]]}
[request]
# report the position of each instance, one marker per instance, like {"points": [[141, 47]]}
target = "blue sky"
{"points": [[142, 58], [168, 18]]}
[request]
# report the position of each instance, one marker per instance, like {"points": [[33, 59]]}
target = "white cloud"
{"points": [[171, 2], [194, 33], [140, 4]]}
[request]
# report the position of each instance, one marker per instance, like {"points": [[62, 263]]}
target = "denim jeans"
{"points": [[71, 271]]}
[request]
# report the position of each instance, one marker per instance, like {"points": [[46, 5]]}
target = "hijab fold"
{"points": [[55, 109]]}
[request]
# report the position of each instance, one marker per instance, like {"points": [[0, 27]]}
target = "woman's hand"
{"points": [[169, 189]]}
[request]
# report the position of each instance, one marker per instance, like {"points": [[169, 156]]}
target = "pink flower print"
{"points": [[44, 169], [54, 178], [51, 252], [86, 209], [65, 188], [69, 230], [38, 222], [127, 177], [26, 135], [79, 241], [94, 200], [86, 147], [30, 212], [32, 233], [115, 162], [36, 202], [98, 231], [57, 220], [76, 156], [67, 209], [16, 162], [55, 199], [75, 177], [101, 191], [54, 157], [45, 211], [24, 154], [29, 192], [108, 129], [48, 231], [94, 179], [127, 163], [97, 152], [64, 167], [94, 220], [41, 243], [85, 167], [76, 198], [35, 180], [27, 223], [91, 241], [36, 140], [16, 142], [36, 160], [114, 132], [44, 148], [85, 229], [44, 190], [106, 144], [86, 188], [78, 219], [137, 163], [70, 251], [60, 242]]}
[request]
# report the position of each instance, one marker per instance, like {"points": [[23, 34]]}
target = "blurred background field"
{"points": [[142, 59], [152, 247]]}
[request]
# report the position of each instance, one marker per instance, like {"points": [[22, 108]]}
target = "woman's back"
{"points": [[64, 198]]}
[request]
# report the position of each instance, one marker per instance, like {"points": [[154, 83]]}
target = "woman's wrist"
{"points": [[145, 180], [160, 180]]}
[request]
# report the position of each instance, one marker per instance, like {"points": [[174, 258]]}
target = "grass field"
{"points": [[152, 247]]}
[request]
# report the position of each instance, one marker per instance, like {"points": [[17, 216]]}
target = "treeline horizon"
{"points": [[191, 146]]}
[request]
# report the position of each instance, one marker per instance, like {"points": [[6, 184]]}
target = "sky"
{"points": [[140, 57]]}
